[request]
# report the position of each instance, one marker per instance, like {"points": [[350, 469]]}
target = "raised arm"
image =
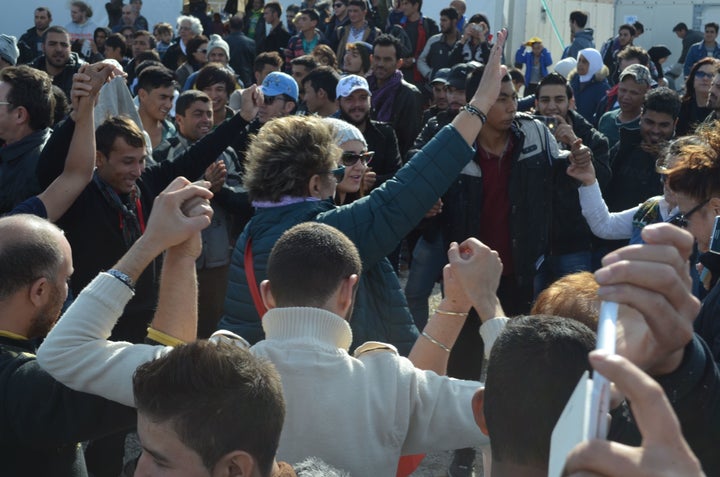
{"points": [[77, 352]]}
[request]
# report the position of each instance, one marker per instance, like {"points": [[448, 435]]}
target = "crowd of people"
{"points": [[221, 210]]}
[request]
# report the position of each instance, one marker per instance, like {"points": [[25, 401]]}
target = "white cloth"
{"points": [[358, 414], [594, 58], [607, 225]]}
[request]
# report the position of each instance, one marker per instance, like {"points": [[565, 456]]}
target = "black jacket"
{"points": [[406, 115], [92, 226], [535, 156], [276, 41], [64, 79], [30, 46], [570, 232], [43, 421], [242, 56], [381, 138]]}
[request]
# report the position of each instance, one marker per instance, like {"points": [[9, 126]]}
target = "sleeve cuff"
{"points": [[490, 330]]}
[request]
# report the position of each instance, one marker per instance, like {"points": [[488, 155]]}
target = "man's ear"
{"points": [[478, 407], [266, 295], [39, 292], [715, 205], [346, 294], [235, 464], [289, 106]]}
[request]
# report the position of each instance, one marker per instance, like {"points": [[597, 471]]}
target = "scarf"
{"points": [[384, 97], [132, 223]]}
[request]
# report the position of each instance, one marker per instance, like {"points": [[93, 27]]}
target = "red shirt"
{"points": [[495, 213]]}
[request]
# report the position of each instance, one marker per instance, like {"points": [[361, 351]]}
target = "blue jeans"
{"points": [[557, 266], [429, 258]]}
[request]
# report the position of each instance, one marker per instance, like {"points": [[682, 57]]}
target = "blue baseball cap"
{"points": [[280, 83]]}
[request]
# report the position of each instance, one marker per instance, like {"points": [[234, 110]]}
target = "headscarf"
{"points": [[596, 63]]}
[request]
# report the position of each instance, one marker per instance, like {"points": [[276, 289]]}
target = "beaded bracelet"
{"points": [[475, 112], [435, 342]]}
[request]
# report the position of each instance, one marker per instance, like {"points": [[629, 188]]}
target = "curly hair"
{"points": [[285, 154], [696, 172]]}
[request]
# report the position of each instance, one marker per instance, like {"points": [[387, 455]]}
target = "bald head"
{"points": [[459, 5], [30, 248]]}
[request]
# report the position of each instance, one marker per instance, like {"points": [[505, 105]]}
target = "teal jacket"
{"points": [[376, 224]]}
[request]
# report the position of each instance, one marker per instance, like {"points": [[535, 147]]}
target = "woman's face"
{"points": [[703, 79], [700, 217], [200, 56], [583, 66], [353, 173]]}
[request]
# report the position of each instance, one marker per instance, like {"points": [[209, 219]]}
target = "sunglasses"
{"points": [[338, 5], [349, 159], [703, 75], [338, 173], [268, 100], [681, 220], [204, 52]]}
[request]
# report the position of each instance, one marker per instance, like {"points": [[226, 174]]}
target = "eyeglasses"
{"points": [[338, 173], [349, 159], [202, 51], [703, 75], [682, 220], [268, 100], [338, 5]]}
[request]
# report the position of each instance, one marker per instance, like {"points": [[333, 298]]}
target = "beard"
{"points": [[345, 117], [46, 317]]}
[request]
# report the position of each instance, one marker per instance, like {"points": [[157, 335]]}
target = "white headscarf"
{"points": [[596, 63]]}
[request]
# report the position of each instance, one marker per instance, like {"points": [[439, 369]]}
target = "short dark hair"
{"points": [[46, 10], [389, 40], [292, 8], [312, 13], [54, 29], [115, 127], [479, 17], [580, 18], [272, 58], [27, 256], [473, 81], [105, 30], [639, 28], [155, 77], [713, 25], [419, 3], [308, 263], [628, 27], [325, 78], [218, 398], [358, 3], [534, 366], [450, 13], [214, 73], [31, 89], [116, 40], [636, 52], [662, 100], [187, 98], [308, 61], [556, 79], [62, 104], [680, 27], [274, 6]]}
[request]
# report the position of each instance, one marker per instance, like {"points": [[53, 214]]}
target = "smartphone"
{"points": [[549, 121]]}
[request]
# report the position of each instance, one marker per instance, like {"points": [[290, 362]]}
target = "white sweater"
{"points": [[357, 414]]}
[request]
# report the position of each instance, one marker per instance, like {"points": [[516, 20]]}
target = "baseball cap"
{"points": [[350, 83], [458, 75], [639, 72], [279, 83], [532, 41], [441, 76], [8, 49]]}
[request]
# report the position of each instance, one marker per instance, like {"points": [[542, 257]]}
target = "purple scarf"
{"points": [[384, 97]]}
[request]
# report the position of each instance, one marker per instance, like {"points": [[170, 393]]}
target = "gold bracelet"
{"points": [[449, 313], [435, 342]]}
